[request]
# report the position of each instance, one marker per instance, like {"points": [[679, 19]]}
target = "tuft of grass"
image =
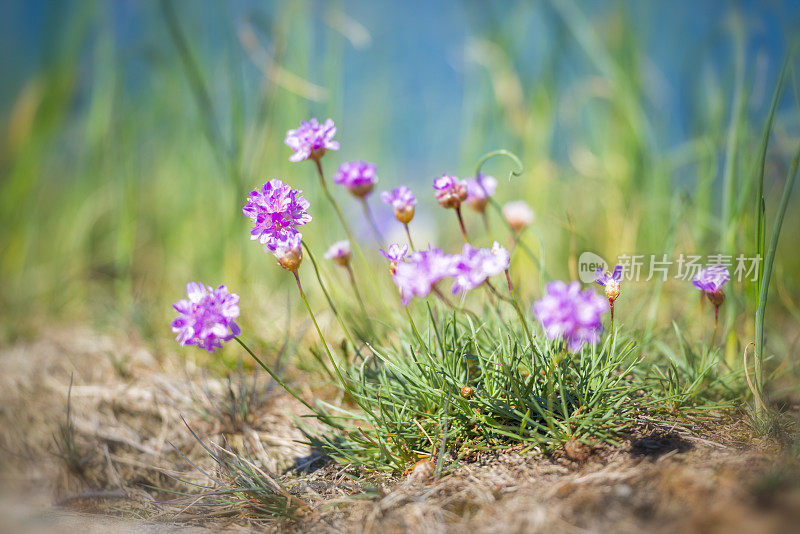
{"points": [[689, 377], [66, 446], [238, 484], [461, 386]]}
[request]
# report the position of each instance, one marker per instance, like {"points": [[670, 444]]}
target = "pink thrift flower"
{"points": [[207, 318], [311, 140]]}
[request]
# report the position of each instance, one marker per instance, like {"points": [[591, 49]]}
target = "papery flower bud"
{"points": [[610, 282], [450, 191], [339, 252], [289, 252], [479, 190], [518, 215], [403, 201]]}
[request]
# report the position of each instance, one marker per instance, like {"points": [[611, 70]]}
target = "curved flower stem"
{"points": [[371, 219], [273, 375], [438, 293], [319, 332], [408, 234], [355, 289], [519, 311], [497, 293], [333, 201], [461, 223]]}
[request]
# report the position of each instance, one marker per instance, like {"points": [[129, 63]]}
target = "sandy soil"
{"points": [[129, 430]]}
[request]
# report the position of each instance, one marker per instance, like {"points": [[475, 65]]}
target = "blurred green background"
{"points": [[133, 130]]}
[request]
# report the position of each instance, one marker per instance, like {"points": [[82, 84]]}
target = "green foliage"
{"points": [[238, 483], [413, 403]]}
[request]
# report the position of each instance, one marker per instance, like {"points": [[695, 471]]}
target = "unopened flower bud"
{"points": [[290, 253], [518, 215], [339, 252]]}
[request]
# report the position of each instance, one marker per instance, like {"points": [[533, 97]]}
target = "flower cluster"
{"points": [[402, 200], [359, 177], [568, 313], [450, 191], [311, 140], [479, 190], [207, 318], [275, 210], [419, 274], [475, 265]]}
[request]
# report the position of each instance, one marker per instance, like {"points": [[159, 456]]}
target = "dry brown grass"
{"points": [[710, 477]]}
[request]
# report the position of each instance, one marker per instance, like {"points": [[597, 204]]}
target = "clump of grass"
{"points": [[460, 387], [688, 377], [66, 446], [237, 405], [238, 484]]}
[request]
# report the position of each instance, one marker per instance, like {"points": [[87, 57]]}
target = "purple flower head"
{"points": [[207, 318], [275, 210], [339, 252], [450, 191], [610, 281], [403, 201], [479, 190], [568, 313], [359, 177], [710, 281], [395, 252], [311, 140], [423, 270], [289, 251], [518, 215], [474, 266]]}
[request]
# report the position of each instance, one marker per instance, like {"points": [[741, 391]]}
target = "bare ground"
{"points": [[678, 477]]}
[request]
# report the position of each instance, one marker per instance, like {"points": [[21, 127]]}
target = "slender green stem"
{"points": [[329, 299], [319, 332], [714, 335], [333, 201], [519, 311], [408, 234], [371, 219], [496, 293], [273, 375], [611, 305], [346, 228], [438, 293], [355, 289]]}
